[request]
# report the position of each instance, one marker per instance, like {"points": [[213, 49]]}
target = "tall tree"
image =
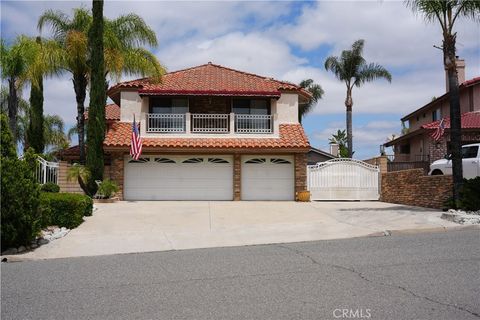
{"points": [[25, 60], [446, 13], [35, 132], [317, 93], [123, 38], [353, 70], [98, 97]]}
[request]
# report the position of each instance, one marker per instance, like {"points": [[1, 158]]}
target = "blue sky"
{"points": [[288, 41]]}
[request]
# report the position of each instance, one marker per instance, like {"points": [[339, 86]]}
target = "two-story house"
{"points": [[417, 144], [209, 133]]}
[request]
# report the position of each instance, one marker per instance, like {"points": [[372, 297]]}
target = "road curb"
{"points": [[423, 230]]}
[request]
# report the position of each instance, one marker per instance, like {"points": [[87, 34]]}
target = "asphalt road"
{"points": [[423, 276]]}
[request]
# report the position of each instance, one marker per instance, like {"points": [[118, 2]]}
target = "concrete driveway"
{"points": [[143, 226]]}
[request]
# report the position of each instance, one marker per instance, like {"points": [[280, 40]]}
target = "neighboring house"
{"points": [[316, 155], [417, 144], [209, 133]]}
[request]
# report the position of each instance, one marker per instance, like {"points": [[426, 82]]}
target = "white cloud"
{"points": [[252, 52], [394, 35]]}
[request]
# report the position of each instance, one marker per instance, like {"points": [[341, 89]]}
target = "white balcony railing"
{"points": [[165, 122], [210, 123], [253, 123]]}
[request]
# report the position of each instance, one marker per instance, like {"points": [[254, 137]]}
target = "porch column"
{"points": [[300, 172], [232, 123], [237, 177], [188, 126]]}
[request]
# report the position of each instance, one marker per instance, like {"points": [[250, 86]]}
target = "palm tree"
{"points": [[123, 53], [446, 13], [340, 138], [26, 60], [53, 126], [352, 69], [316, 91], [81, 174]]}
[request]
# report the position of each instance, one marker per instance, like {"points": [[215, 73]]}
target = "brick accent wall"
{"points": [[300, 172], [237, 177], [412, 187], [117, 172], [210, 105]]}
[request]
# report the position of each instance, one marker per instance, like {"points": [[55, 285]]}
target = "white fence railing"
{"points": [[253, 123], [46, 171], [210, 123], [165, 122]]}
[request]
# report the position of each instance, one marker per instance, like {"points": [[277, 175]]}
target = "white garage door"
{"points": [[268, 178], [165, 177]]}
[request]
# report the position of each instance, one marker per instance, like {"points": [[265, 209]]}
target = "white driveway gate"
{"points": [[343, 179]]}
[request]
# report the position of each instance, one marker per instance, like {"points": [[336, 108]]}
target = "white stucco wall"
{"points": [[286, 108], [130, 104]]}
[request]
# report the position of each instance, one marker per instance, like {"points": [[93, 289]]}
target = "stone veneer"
{"points": [[412, 187], [117, 172], [300, 172], [237, 177]]}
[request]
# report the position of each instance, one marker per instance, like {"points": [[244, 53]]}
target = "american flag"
{"points": [[440, 131], [136, 145]]}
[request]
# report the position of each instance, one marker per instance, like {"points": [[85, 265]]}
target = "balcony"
{"points": [[197, 123]]}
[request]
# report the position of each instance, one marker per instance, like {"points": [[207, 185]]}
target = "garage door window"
{"points": [[256, 160], [164, 160], [140, 160], [279, 161], [193, 160], [217, 160]]}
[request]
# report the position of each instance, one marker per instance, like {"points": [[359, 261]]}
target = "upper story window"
{"points": [[168, 105], [436, 114], [251, 106]]}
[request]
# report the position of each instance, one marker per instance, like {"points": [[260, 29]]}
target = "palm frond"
{"points": [[333, 64], [371, 72], [132, 30], [142, 62], [58, 21]]}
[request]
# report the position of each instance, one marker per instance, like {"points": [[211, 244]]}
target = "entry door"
{"points": [[268, 178], [164, 177]]}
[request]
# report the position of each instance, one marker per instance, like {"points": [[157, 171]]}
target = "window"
{"points": [[256, 160], [140, 160], [279, 161], [217, 160], [251, 106], [193, 160], [168, 105], [436, 114], [164, 160], [405, 149], [469, 152]]}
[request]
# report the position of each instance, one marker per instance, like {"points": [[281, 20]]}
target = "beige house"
{"points": [[417, 145], [209, 133]]}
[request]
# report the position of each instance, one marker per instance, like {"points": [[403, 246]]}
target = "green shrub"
{"points": [[20, 218], [107, 188], [50, 187], [64, 209], [470, 195]]}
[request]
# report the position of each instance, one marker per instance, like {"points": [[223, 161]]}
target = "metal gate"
{"points": [[343, 179], [46, 171]]}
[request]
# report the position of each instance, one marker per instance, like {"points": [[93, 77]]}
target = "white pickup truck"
{"points": [[470, 162]]}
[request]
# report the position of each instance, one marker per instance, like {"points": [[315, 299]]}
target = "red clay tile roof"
{"points": [[211, 79], [471, 82], [112, 112], [292, 136], [470, 120]]}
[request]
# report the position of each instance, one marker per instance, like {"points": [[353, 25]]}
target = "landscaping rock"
{"points": [[21, 249], [43, 241], [10, 251], [462, 217]]}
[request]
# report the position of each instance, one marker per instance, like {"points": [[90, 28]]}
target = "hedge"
{"points": [[64, 209], [50, 187]]}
